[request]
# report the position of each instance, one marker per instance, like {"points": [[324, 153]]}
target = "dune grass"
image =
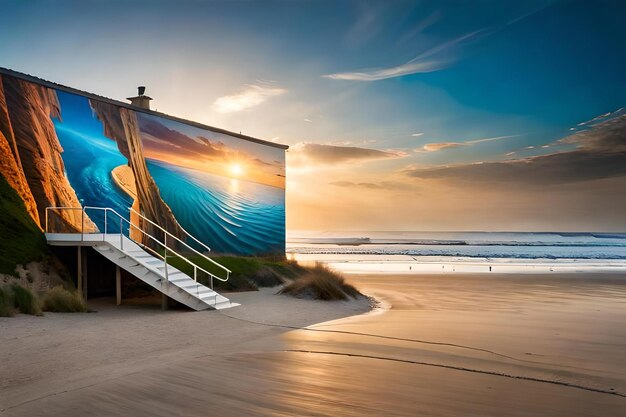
{"points": [[25, 301], [22, 240], [248, 273], [6, 302], [61, 300], [320, 283]]}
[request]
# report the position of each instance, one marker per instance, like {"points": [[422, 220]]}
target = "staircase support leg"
{"points": [[79, 270], [85, 273], [163, 302], [118, 285]]}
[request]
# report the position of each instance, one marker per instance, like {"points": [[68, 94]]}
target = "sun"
{"points": [[236, 170]]}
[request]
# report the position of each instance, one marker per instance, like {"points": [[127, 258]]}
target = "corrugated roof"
{"points": [[67, 89]]}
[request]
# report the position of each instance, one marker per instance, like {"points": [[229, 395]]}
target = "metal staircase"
{"points": [[143, 255]]}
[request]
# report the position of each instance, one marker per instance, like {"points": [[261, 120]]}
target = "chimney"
{"points": [[140, 100]]}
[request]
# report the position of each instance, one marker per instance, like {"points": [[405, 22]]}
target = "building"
{"points": [[69, 154]]}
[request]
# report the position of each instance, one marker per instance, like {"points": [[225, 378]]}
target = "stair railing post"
{"points": [[105, 225], [165, 257], [195, 273], [211, 281], [121, 235], [82, 225]]}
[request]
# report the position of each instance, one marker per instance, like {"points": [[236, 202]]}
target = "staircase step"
{"points": [[150, 269]]}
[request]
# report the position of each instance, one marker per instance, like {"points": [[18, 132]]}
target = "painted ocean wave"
{"points": [[231, 216]]}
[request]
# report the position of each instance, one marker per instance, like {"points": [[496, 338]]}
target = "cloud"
{"points": [[434, 147], [434, 59], [304, 153], [417, 134], [599, 153], [384, 185], [251, 96], [438, 146]]}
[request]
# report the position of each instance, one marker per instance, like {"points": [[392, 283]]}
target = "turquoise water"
{"points": [[231, 216], [89, 161]]}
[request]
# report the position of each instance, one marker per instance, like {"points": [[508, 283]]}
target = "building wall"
{"points": [[64, 148]]}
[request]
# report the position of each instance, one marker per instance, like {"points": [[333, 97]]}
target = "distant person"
{"points": [[489, 268]]}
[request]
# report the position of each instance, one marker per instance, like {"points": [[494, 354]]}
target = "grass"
{"points": [[248, 273], [6, 302], [16, 298], [22, 240], [320, 283], [25, 301], [61, 300]]}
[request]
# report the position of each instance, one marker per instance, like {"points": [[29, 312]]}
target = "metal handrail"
{"points": [[182, 241], [179, 226], [163, 244]]}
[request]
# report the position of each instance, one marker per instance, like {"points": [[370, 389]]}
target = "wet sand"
{"points": [[449, 345]]}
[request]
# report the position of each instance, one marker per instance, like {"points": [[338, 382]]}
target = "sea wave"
{"points": [[474, 253]]}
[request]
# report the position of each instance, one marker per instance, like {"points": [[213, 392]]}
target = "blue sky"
{"points": [[425, 83]]}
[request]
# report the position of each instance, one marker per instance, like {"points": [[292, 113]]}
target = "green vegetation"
{"points": [[60, 300], [6, 302], [248, 273], [16, 298], [22, 241], [320, 283], [25, 301]]}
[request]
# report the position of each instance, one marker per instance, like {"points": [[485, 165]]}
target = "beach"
{"points": [[438, 344], [125, 179]]}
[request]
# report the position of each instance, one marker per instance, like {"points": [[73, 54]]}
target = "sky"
{"points": [[403, 115]]}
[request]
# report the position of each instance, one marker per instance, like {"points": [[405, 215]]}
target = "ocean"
{"points": [[89, 160], [230, 215], [471, 245]]}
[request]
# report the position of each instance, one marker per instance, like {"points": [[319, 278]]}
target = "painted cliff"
{"points": [[120, 124], [31, 153]]}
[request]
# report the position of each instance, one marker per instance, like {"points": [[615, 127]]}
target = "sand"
{"points": [[125, 179], [515, 345]]}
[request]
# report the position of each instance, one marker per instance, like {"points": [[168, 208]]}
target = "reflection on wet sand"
{"points": [[448, 345]]}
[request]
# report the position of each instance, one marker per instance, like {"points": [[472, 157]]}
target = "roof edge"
{"points": [[50, 84]]}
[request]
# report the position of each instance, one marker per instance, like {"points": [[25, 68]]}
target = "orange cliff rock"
{"points": [[10, 163], [120, 124], [31, 152]]}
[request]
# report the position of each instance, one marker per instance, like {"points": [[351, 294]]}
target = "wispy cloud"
{"points": [[416, 134], [434, 59], [438, 146], [251, 96], [434, 147]]}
